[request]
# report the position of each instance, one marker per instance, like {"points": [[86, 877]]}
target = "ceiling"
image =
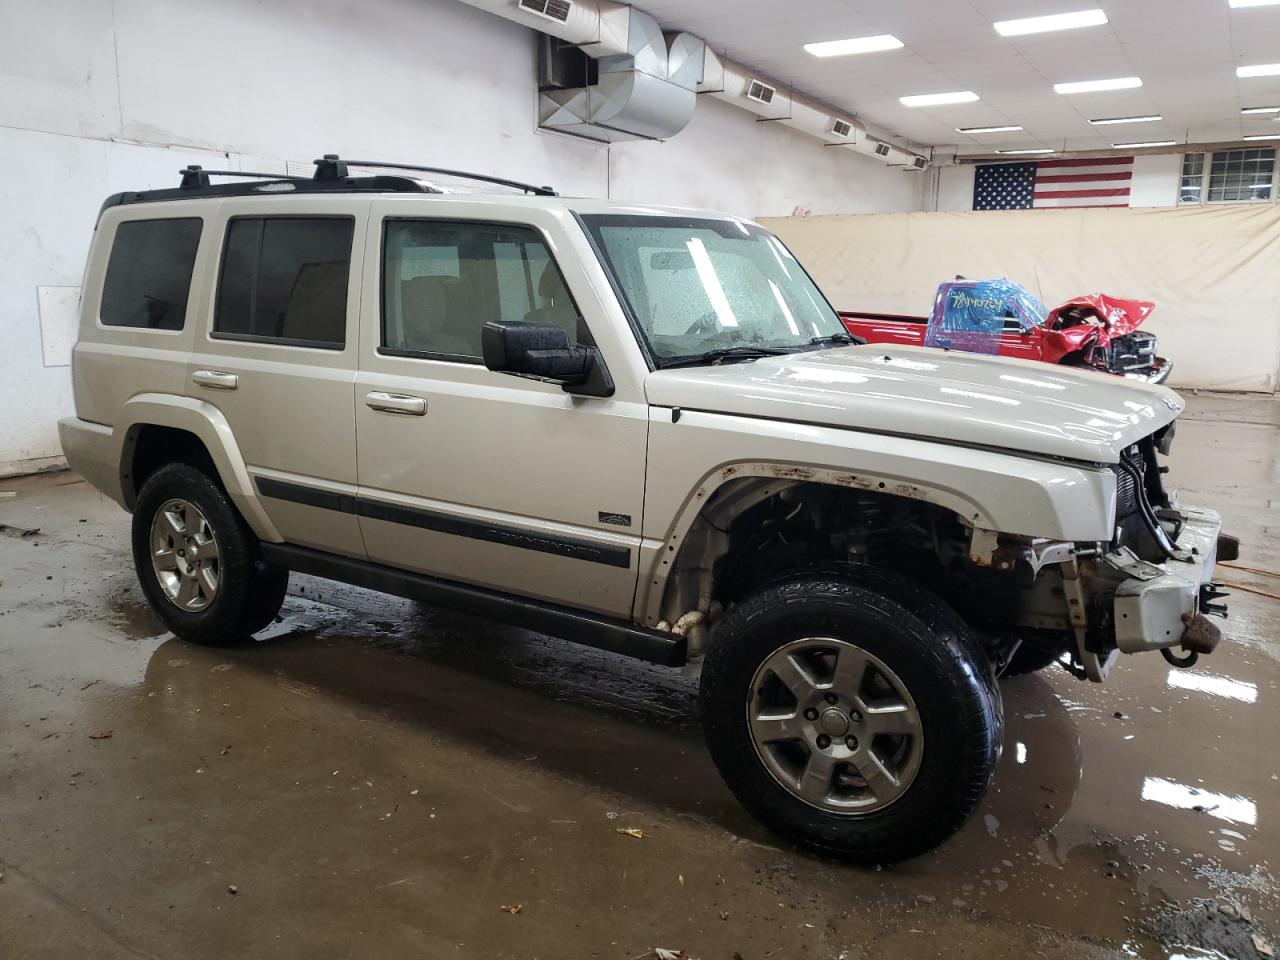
{"points": [[1185, 51]]}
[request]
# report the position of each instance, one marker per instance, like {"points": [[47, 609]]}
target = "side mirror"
{"points": [[543, 353]]}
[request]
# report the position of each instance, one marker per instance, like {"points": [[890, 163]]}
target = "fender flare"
{"points": [[207, 423]]}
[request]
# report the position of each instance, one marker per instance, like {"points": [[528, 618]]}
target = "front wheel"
{"points": [[198, 562], [855, 718]]}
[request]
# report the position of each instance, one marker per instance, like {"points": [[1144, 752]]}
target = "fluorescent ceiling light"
{"points": [[986, 129], [938, 99], [1094, 86], [1057, 21], [1249, 110], [843, 48], [1259, 70], [1148, 143], [1254, 3], [1150, 119], [1038, 150], [1264, 136]]}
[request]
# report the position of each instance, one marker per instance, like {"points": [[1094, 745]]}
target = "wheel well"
{"points": [[754, 529], [148, 447]]}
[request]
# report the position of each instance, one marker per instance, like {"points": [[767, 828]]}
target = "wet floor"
{"points": [[381, 779]]}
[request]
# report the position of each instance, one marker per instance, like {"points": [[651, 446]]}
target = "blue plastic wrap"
{"points": [[971, 315]]}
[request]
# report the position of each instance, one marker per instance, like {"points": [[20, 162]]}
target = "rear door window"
{"points": [[149, 273], [284, 280]]}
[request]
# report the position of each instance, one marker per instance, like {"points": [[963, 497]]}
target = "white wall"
{"points": [[1155, 180], [954, 189], [728, 160], [98, 97]]}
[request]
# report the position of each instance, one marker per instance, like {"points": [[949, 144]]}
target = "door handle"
{"points": [[396, 403], [216, 379]]}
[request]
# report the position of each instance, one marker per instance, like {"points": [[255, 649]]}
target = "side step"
{"points": [[589, 629]]}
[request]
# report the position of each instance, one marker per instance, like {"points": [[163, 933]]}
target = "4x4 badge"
{"points": [[616, 519]]}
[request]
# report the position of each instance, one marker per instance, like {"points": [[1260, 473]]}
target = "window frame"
{"points": [[191, 280], [295, 342], [383, 350], [1206, 175]]}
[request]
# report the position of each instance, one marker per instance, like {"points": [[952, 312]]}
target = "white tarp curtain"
{"points": [[1213, 272]]}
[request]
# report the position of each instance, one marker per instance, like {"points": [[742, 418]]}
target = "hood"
{"points": [[979, 401], [1117, 315]]}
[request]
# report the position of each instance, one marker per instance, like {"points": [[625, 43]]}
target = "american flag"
{"points": [[1098, 182]]}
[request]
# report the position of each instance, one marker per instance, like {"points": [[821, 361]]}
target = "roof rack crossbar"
{"points": [[331, 161], [197, 176]]}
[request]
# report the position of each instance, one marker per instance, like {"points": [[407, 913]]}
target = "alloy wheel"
{"points": [[835, 726]]}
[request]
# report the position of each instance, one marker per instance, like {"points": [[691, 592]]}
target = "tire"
{"points": [[226, 594], [915, 646]]}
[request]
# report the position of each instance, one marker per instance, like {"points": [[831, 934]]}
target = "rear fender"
{"points": [[208, 424]]}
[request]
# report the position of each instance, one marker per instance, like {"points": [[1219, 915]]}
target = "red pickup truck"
{"points": [[1003, 318]]}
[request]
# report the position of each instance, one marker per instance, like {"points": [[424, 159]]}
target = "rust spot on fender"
{"points": [[853, 480], [792, 473], [728, 472]]}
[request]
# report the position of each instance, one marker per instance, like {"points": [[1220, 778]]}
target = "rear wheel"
{"points": [[856, 718], [198, 562]]}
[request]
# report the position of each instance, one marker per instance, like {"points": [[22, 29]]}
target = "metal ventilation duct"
{"points": [[647, 83], [735, 84], [646, 92]]}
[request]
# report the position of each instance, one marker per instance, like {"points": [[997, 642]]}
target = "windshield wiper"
{"points": [[838, 339], [718, 356]]}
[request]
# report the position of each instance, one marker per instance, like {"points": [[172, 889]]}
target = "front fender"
{"points": [[1058, 344], [207, 423], [690, 460]]}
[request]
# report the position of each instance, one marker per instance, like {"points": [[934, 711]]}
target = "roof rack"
{"points": [[195, 176], [195, 184], [331, 176], [331, 165]]}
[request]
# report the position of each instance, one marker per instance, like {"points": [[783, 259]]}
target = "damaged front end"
{"points": [[1101, 332], [1150, 588]]}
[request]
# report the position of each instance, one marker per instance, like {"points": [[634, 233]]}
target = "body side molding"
{"points": [[575, 548]]}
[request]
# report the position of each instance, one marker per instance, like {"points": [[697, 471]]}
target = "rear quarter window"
{"points": [[149, 273]]}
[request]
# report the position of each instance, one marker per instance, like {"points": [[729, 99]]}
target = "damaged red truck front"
{"points": [[1093, 331]]}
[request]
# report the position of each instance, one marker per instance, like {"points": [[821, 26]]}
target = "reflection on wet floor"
{"points": [[1217, 686], [1179, 795], [1026, 856], [412, 765]]}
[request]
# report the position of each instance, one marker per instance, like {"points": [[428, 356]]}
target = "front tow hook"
{"points": [[1200, 636]]}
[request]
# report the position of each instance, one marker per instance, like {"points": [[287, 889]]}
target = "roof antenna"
{"points": [[330, 167]]}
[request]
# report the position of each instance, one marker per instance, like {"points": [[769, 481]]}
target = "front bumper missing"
{"points": [[1158, 603]]}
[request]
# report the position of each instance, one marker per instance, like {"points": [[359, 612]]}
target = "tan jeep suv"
{"points": [[639, 428]]}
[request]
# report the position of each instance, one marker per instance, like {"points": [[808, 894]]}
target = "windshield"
{"points": [[701, 286]]}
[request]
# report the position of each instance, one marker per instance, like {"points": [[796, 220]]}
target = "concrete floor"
{"points": [[378, 780]]}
